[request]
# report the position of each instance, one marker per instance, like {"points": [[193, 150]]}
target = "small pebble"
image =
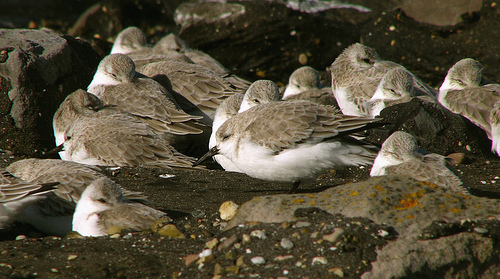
{"points": [[227, 242], [207, 259], [481, 230], [245, 238], [286, 243], [382, 233], [190, 258], [21, 237], [205, 253], [116, 235], [301, 224], [319, 260], [338, 271], [168, 230], [72, 257], [258, 234], [212, 243], [334, 236], [128, 236], [258, 260], [240, 261], [283, 258], [303, 58], [227, 210], [166, 175]]}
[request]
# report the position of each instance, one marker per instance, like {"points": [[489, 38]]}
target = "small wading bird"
{"points": [[292, 141]]}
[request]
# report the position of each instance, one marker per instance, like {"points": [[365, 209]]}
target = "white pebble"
{"points": [[319, 260], [205, 253], [286, 243], [258, 260], [382, 233], [21, 237], [167, 175], [259, 234], [128, 236], [481, 230], [72, 257], [301, 224]]}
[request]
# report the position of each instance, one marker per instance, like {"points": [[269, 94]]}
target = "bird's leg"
{"points": [[294, 187]]}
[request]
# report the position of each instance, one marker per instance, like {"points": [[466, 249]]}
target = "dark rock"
{"points": [[41, 69], [429, 51], [101, 22], [436, 129], [441, 13], [268, 38]]}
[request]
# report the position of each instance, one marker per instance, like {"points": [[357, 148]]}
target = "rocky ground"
{"points": [[313, 240]]}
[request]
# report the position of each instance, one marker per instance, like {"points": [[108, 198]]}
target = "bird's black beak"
{"points": [[55, 150], [210, 153]]}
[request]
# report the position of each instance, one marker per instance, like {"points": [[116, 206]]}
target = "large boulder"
{"points": [[439, 233], [38, 69]]}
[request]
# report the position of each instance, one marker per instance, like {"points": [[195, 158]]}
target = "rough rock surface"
{"points": [[435, 128], [38, 70], [440, 13], [408, 206]]}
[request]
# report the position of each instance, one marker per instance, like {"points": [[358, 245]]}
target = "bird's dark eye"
{"points": [[366, 60], [225, 136], [114, 75], [102, 200], [256, 101]]}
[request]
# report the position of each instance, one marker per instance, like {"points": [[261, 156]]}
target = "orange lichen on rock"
{"points": [[298, 200], [355, 193], [407, 204]]}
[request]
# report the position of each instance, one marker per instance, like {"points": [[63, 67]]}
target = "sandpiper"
{"points": [[16, 194], [356, 74], [400, 155], [463, 92], [292, 141], [54, 215], [102, 206]]}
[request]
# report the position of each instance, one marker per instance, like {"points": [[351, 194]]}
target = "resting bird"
{"points": [[292, 141], [399, 155]]}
